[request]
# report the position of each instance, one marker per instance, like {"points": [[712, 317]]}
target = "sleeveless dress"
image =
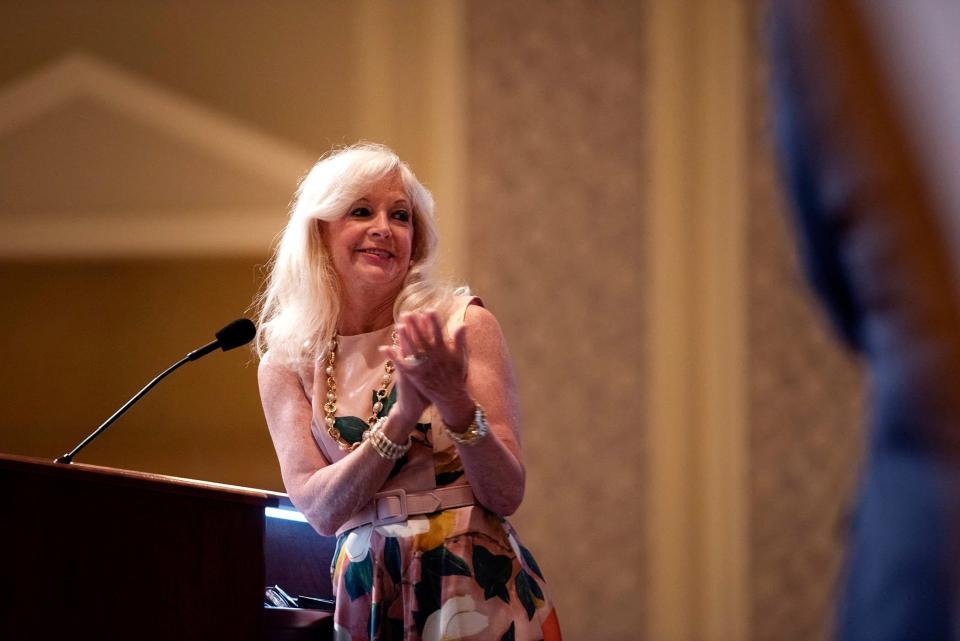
{"points": [[461, 573]]}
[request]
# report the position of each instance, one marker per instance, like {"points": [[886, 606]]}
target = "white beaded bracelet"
{"points": [[382, 444]]}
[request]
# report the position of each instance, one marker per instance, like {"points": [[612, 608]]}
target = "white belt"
{"points": [[394, 506]]}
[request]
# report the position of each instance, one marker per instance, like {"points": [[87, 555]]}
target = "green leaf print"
{"points": [[427, 592], [434, 565], [399, 465], [444, 562], [351, 428], [446, 478], [510, 634], [529, 560], [492, 572], [424, 428], [392, 630], [527, 589], [391, 557], [358, 578]]}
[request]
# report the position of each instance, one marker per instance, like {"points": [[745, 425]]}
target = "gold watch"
{"points": [[475, 432]]}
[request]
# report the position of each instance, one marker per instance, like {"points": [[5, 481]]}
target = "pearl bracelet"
{"points": [[475, 432], [382, 444]]}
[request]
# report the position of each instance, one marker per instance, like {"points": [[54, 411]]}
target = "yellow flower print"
{"points": [[440, 527]]}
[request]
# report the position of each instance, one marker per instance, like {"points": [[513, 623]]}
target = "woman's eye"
{"points": [[402, 215], [360, 212]]}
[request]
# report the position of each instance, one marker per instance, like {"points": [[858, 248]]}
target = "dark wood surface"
{"points": [[97, 553]]}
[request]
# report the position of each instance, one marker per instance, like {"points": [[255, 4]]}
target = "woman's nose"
{"points": [[380, 225]]}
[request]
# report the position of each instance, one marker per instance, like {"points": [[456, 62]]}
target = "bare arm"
{"points": [[327, 494], [493, 465]]}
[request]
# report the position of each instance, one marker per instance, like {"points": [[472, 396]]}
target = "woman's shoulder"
{"points": [[476, 314], [483, 329], [273, 362], [275, 369], [462, 302]]}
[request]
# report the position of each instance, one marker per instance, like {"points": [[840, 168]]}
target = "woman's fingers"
{"points": [[425, 329], [408, 343], [406, 365], [390, 352], [406, 372], [414, 324], [433, 321], [424, 356]]}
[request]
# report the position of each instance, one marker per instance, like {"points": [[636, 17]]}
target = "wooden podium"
{"points": [[96, 553]]}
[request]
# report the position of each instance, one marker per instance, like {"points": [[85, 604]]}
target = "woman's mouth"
{"points": [[373, 251]]}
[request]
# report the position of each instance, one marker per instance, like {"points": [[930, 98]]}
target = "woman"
{"points": [[391, 402]]}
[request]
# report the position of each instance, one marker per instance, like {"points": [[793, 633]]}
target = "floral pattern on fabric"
{"points": [[446, 463], [447, 467], [352, 428], [456, 574]]}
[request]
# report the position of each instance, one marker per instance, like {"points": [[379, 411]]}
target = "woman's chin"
{"points": [[371, 276]]}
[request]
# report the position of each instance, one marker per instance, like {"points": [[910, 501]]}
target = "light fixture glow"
{"points": [[287, 515]]}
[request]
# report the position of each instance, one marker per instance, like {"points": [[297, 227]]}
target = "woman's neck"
{"points": [[362, 313]]}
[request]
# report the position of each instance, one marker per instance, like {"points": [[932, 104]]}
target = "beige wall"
{"points": [[79, 338], [604, 182], [558, 226]]}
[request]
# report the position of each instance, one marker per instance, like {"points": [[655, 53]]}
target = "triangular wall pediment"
{"points": [[95, 160]]}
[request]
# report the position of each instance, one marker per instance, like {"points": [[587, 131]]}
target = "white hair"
{"points": [[299, 304]]}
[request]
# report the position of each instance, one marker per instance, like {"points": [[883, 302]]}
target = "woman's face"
{"points": [[372, 244]]}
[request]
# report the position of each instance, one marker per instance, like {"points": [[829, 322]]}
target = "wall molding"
{"points": [[431, 73], [80, 75], [149, 234], [697, 412], [122, 94]]}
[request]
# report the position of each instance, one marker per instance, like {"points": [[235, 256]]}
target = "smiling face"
{"points": [[371, 245]]}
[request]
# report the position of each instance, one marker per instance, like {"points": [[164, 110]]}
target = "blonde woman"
{"points": [[391, 402]]}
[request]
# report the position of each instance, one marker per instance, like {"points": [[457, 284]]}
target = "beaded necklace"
{"points": [[330, 407]]}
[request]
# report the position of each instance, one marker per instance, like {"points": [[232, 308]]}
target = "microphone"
{"points": [[239, 332]]}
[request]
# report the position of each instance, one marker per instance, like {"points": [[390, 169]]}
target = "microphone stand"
{"points": [[68, 458], [239, 332]]}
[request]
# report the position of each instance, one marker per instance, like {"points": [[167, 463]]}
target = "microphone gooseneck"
{"points": [[239, 332]]}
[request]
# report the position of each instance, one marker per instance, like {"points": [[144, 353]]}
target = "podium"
{"points": [[91, 552]]}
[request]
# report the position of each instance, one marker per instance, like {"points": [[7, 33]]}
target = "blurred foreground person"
{"points": [[867, 109], [392, 405]]}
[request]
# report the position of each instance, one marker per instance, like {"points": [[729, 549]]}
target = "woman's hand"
{"points": [[435, 367], [410, 402]]}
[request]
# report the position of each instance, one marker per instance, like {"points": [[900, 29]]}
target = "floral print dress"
{"points": [[457, 574]]}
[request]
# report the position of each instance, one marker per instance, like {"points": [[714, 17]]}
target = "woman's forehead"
{"points": [[389, 187]]}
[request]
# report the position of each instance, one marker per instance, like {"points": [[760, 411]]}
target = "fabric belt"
{"points": [[394, 506]]}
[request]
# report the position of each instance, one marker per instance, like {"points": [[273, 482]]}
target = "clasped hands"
{"points": [[430, 369]]}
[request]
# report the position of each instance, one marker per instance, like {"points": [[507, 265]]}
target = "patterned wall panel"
{"points": [[556, 238], [805, 405]]}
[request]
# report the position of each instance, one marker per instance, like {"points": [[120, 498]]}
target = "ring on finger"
{"points": [[415, 359]]}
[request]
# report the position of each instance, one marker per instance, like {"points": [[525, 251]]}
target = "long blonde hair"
{"points": [[299, 304]]}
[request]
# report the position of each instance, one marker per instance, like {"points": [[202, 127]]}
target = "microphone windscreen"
{"points": [[239, 332]]}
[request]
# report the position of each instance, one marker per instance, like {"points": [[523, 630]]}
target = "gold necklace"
{"points": [[330, 407]]}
